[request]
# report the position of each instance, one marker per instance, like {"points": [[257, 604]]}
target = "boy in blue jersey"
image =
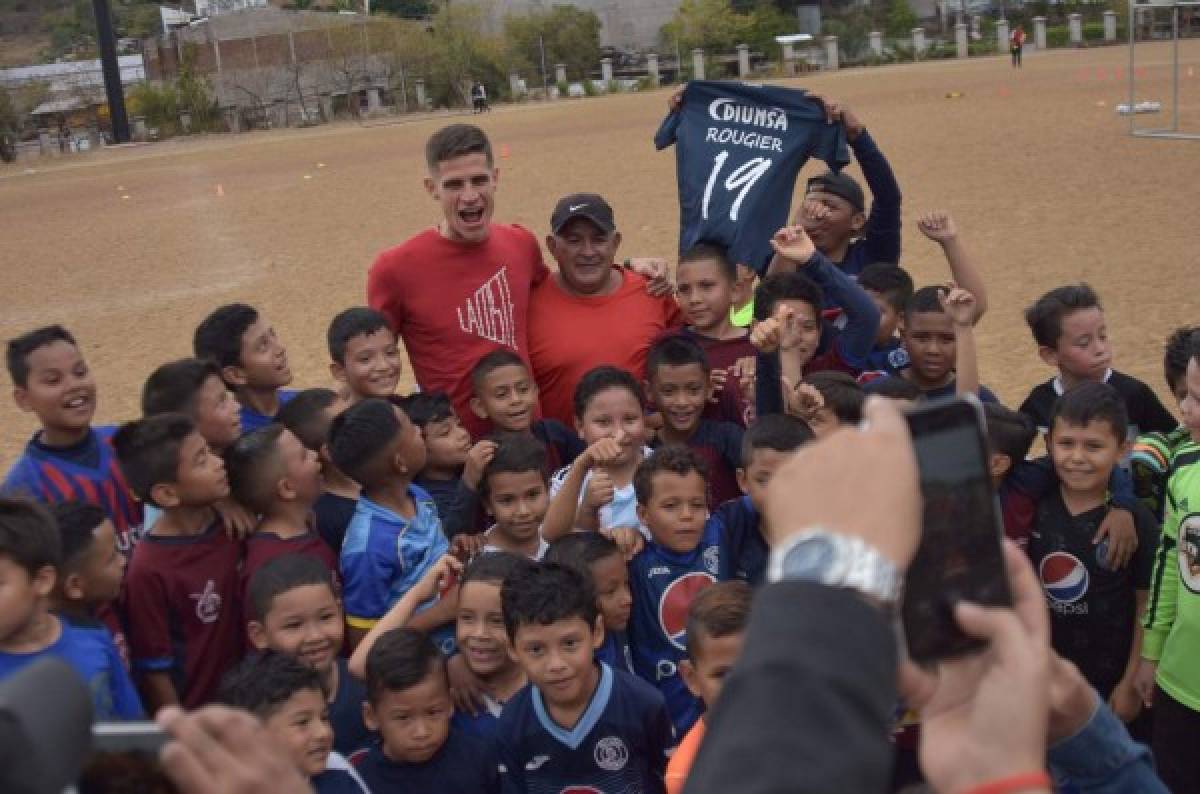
{"points": [[253, 362], [308, 415], [29, 556], [891, 288], [395, 535], [685, 554], [678, 383], [453, 466], [290, 699], [580, 725], [291, 608], [408, 703], [506, 395], [67, 458], [768, 444], [601, 560], [364, 354], [90, 573]]}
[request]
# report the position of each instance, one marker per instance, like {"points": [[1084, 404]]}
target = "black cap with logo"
{"points": [[840, 185], [583, 205]]}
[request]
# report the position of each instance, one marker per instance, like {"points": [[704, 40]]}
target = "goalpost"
{"points": [[1150, 10]]}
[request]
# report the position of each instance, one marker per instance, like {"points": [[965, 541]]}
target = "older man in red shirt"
{"points": [[591, 311]]}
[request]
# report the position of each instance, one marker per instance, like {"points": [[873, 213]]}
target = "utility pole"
{"points": [[111, 68], [545, 83]]}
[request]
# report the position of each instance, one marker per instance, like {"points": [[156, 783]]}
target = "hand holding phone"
{"points": [[960, 556]]}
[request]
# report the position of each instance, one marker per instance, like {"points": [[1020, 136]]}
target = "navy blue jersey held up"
{"points": [[738, 148], [619, 745]]}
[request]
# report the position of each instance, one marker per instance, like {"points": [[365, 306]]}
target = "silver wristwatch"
{"points": [[836, 560]]}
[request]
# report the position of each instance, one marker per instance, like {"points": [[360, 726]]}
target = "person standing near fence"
{"points": [[1017, 43]]}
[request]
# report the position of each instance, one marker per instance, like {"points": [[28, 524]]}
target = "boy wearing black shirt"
{"points": [[1094, 606], [1068, 326]]}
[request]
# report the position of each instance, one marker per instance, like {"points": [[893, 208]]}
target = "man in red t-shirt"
{"points": [[458, 291], [590, 312]]}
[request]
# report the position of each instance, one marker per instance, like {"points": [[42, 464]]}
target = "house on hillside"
{"points": [[273, 67]]}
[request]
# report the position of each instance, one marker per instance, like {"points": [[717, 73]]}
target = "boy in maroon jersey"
{"points": [[704, 286], [276, 477], [181, 586]]}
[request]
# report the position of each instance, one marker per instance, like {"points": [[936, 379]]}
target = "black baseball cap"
{"points": [[583, 205], [840, 185]]}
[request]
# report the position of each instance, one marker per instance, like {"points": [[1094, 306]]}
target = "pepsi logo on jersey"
{"points": [[675, 601], [1065, 580]]}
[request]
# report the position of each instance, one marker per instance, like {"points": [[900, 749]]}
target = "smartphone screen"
{"points": [[960, 555], [124, 758]]}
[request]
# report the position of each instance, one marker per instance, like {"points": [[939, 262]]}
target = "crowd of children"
{"points": [[536, 607]]}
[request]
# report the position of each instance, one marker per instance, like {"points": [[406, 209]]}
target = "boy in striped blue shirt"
{"points": [[67, 458]]}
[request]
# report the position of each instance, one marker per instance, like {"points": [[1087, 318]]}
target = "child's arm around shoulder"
{"points": [[429, 586]]}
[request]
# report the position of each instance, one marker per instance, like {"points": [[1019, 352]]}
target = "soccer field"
{"points": [[131, 248]]}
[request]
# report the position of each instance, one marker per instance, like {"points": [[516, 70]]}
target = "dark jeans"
{"points": [[1016, 56], [1176, 729]]}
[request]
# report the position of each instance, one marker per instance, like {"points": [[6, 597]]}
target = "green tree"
{"points": [[16, 104], [709, 24], [719, 25], [900, 19], [462, 51], [571, 36]]}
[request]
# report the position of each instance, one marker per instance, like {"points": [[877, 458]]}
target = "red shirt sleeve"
{"points": [[383, 291]]}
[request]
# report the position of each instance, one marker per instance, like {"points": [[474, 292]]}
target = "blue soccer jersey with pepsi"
{"points": [[88, 472], [619, 746], [663, 584], [738, 148], [385, 554]]}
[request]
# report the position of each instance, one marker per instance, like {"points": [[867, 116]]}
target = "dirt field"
{"points": [[131, 248]]}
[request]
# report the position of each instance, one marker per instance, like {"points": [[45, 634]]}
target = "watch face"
{"points": [[809, 559]]}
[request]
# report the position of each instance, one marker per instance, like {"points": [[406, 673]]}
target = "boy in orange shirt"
{"points": [[716, 627]]}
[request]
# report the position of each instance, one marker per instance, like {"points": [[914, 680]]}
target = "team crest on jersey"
{"points": [[611, 754], [725, 110], [1189, 552], [208, 603], [712, 559], [674, 602], [898, 358]]}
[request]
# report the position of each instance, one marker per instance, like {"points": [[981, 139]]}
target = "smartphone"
{"points": [[960, 556], [124, 758]]}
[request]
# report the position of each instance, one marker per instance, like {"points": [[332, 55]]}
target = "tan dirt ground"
{"points": [[1035, 164]]}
